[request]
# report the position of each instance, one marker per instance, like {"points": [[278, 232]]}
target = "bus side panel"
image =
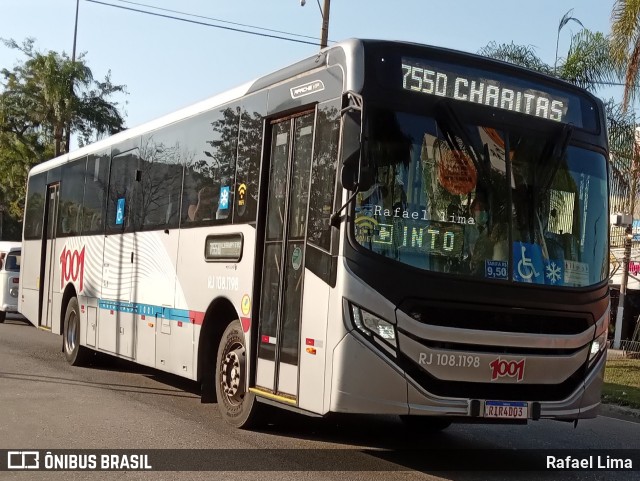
{"points": [[153, 292], [30, 280], [313, 349], [200, 282], [116, 328]]}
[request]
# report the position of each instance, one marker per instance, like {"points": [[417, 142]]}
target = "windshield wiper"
{"points": [[554, 154]]}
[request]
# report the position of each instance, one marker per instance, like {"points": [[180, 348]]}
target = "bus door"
{"points": [[283, 260], [48, 268]]}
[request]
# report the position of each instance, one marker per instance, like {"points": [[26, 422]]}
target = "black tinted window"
{"points": [[122, 212], [94, 204], [249, 156], [71, 192], [161, 174], [210, 166], [34, 210]]}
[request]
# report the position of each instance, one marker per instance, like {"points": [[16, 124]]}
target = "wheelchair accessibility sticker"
{"points": [[527, 263]]}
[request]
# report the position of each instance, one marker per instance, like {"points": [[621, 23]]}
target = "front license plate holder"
{"points": [[506, 409]]}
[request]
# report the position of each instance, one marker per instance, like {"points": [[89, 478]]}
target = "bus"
{"points": [[381, 228]]}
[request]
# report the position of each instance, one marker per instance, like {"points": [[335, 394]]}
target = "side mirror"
{"points": [[351, 138]]}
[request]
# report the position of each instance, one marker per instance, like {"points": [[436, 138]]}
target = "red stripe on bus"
{"points": [[246, 323], [196, 317]]}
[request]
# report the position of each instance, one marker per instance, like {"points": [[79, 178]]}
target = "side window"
{"points": [[34, 210], [323, 175], [70, 203], [250, 144], [161, 171], [210, 166], [95, 193], [122, 210]]}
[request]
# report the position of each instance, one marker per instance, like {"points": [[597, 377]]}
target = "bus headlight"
{"points": [[598, 344], [370, 324]]}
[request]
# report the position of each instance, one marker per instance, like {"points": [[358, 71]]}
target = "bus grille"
{"points": [[493, 318]]}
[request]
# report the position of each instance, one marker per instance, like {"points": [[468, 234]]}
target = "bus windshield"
{"points": [[484, 200]]}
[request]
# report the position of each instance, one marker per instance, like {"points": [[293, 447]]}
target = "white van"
{"points": [[10, 254]]}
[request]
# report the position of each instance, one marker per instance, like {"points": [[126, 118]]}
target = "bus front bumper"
{"points": [[370, 383]]}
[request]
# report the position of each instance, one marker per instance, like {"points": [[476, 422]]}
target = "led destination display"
{"points": [[480, 87]]}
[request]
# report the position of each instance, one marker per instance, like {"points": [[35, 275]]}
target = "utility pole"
{"points": [[324, 12], [628, 235], [71, 80], [324, 35]]}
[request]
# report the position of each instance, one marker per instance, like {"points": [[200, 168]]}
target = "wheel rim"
{"points": [[232, 373], [71, 336]]}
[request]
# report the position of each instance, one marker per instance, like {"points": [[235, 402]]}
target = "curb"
{"points": [[620, 412]]}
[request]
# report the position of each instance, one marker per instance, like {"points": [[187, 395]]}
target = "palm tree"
{"points": [[625, 41], [40, 89]]}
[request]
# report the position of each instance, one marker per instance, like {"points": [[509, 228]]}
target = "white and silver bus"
{"points": [[383, 227]]}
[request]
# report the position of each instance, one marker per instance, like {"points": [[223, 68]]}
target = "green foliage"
{"points": [[523, 55], [622, 383], [625, 42], [44, 99], [589, 63]]}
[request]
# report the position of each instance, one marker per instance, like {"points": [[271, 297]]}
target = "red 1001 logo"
{"points": [[501, 367], [72, 266]]}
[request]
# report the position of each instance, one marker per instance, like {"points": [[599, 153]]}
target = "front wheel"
{"points": [[3, 316], [76, 354], [238, 407]]}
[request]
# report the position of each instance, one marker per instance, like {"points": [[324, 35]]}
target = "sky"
{"points": [[168, 64]]}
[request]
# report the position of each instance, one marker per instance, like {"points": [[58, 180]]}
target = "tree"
{"points": [[625, 41], [588, 63], [38, 106], [39, 95]]}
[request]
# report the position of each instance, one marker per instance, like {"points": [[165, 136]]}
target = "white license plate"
{"points": [[506, 409]]}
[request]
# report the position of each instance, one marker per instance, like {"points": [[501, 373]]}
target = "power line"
{"points": [[215, 19], [171, 17]]}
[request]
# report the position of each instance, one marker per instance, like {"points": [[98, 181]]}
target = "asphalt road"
{"points": [[47, 404]]}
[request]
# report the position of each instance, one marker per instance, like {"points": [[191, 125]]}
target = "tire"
{"points": [[425, 423], [3, 316], [75, 354], [238, 407]]}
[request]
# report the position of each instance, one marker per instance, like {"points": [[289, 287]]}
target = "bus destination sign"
{"points": [[223, 247], [478, 87]]}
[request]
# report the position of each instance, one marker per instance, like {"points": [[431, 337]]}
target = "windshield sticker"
{"points": [[456, 172], [496, 269], [554, 272], [576, 273], [527, 263]]}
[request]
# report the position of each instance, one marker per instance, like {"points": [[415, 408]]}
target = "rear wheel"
{"points": [[238, 407], [76, 354], [3, 316], [425, 423]]}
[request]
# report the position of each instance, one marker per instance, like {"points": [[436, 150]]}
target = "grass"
{"points": [[622, 383]]}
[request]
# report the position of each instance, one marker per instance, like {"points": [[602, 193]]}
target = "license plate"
{"points": [[506, 409]]}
